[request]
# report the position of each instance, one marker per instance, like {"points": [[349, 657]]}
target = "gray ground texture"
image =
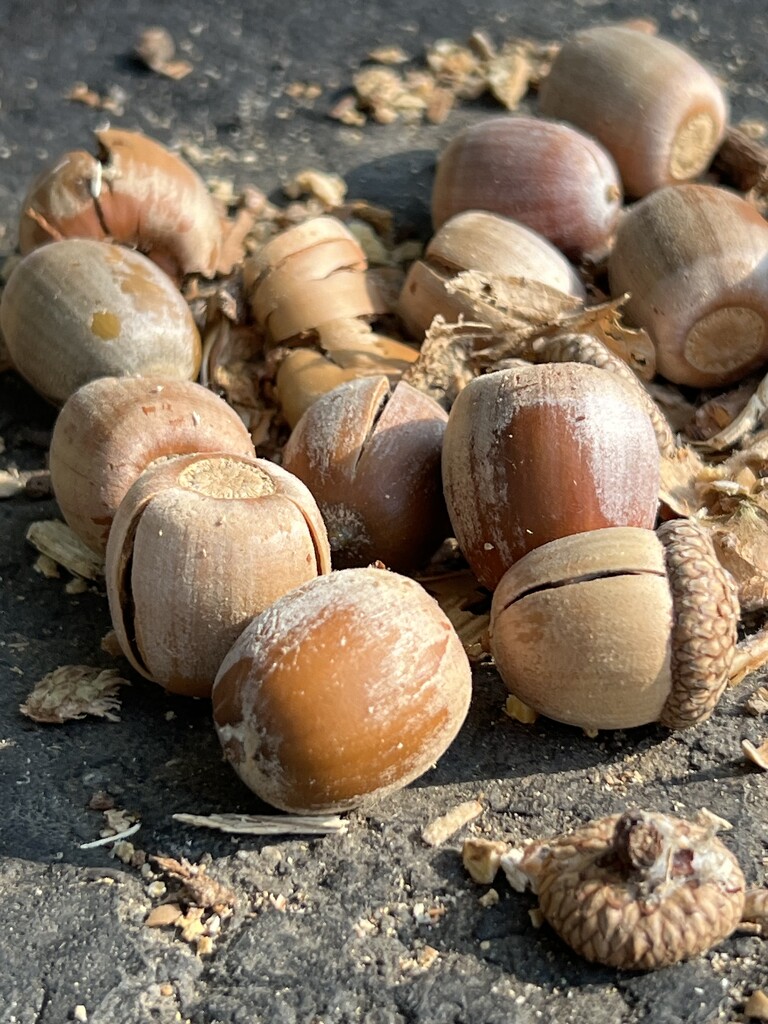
{"points": [[72, 940]]}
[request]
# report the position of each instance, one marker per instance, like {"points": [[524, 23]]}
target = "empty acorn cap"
{"points": [[639, 891]]}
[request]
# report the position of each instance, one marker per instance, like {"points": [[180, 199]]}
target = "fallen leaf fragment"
{"points": [[54, 538], [266, 825], [74, 691], [758, 755], [442, 828]]}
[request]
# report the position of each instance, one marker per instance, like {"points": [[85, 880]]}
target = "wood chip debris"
{"points": [[442, 828], [449, 72], [74, 691], [266, 825], [198, 908], [482, 858], [519, 711], [156, 49], [757, 703], [757, 755], [53, 538]]}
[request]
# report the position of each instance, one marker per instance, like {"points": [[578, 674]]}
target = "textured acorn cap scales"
{"points": [[199, 545], [658, 112], [109, 431], [638, 891], [347, 688], [618, 627]]}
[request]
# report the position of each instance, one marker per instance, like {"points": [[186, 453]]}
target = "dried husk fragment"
{"points": [[74, 691]]}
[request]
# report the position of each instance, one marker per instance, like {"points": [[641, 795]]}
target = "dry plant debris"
{"points": [[757, 755], [442, 828], [198, 907], [113, 101], [156, 49], [449, 72], [467, 605], [54, 538], [266, 825], [74, 691]]}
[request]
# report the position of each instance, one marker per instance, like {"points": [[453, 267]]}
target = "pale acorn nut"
{"points": [[637, 891], [136, 192], [488, 243], [305, 374], [694, 260], [659, 113], [200, 544], [550, 177], [310, 274], [110, 430], [79, 309], [618, 627]]}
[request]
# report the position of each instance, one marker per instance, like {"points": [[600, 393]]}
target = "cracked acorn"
{"points": [[175, 611], [642, 625], [370, 455]]}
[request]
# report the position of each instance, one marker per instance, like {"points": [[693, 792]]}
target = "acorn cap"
{"points": [[639, 890], [705, 617]]}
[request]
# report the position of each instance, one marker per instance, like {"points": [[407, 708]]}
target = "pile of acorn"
{"points": [[231, 576]]}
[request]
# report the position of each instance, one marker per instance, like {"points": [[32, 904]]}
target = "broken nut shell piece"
{"points": [[639, 890]]}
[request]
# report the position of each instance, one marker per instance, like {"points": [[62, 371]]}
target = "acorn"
{"points": [[79, 309], [136, 192], [694, 260], [370, 455], [658, 112], [618, 627], [489, 243], [111, 429], [200, 544], [548, 176], [541, 452], [346, 689]]}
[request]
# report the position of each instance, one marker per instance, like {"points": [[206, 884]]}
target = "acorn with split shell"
{"points": [[658, 112], [370, 455], [488, 243], [694, 260], [541, 452], [111, 429], [548, 176], [200, 544], [345, 689], [134, 191], [618, 627], [79, 309]]}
